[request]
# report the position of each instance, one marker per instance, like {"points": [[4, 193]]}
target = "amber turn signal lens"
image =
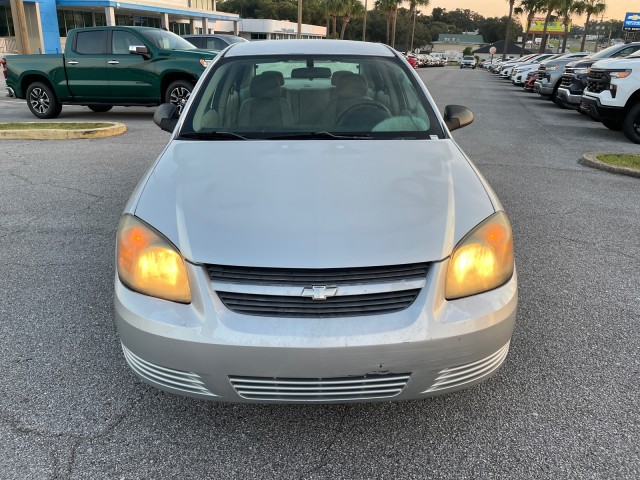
{"points": [[150, 264], [482, 260]]}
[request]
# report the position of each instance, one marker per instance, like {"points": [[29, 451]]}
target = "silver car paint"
{"points": [[313, 204]]}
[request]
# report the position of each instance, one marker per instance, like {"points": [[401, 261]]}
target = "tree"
{"points": [[528, 8], [390, 8], [413, 5], [352, 8], [591, 7], [549, 7], [565, 10], [506, 35], [334, 9], [467, 51]]}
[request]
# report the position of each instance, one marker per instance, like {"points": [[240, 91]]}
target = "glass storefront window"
{"points": [[6, 22]]}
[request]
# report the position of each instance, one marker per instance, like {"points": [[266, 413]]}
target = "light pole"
{"points": [[413, 28], [598, 27], [299, 19], [364, 23]]}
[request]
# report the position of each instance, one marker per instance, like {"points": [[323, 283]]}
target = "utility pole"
{"points": [[299, 19], [598, 27], [413, 28], [364, 23]]}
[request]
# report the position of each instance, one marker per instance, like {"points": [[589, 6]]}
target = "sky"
{"points": [[498, 8]]}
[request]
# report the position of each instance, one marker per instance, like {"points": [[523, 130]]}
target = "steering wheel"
{"points": [[363, 114]]}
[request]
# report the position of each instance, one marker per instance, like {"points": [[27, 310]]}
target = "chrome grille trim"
{"points": [[461, 375], [291, 291], [173, 379], [367, 387]]}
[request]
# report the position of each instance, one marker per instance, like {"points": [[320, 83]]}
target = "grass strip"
{"points": [[52, 125], [621, 160]]}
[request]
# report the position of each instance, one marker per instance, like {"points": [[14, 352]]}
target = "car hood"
{"points": [[313, 204], [587, 62], [617, 63]]}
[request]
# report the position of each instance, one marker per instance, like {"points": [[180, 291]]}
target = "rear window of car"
{"points": [[271, 97], [468, 58]]}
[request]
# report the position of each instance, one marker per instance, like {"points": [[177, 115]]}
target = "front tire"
{"points": [[178, 93], [631, 124], [100, 108], [42, 102]]}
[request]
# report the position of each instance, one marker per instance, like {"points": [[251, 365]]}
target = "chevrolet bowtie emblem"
{"points": [[633, 17], [319, 292]]}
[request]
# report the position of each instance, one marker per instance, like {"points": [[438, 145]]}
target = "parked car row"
{"points": [[604, 85]]}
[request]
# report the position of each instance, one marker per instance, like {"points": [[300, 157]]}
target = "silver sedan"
{"points": [[312, 233]]}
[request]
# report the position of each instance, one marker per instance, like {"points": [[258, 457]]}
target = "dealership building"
{"points": [[46, 22]]}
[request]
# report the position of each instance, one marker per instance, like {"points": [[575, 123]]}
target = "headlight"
{"points": [[205, 63], [482, 260], [148, 263], [623, 74], [552, 67], [578, 71]]}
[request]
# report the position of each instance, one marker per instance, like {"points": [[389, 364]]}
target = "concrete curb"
{"points": [[589, 159], [115, 128]]}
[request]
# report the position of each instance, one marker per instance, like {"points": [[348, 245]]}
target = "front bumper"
{"points": [[543, 87], [202, 349], [10, 92], [599, 112], [571, 100]]}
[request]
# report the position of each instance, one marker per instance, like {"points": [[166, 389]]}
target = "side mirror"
{"points": [[166, 117], [457, 116], [139, 50]]}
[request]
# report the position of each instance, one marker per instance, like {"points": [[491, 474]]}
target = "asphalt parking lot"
{"points": [[564, 405]]}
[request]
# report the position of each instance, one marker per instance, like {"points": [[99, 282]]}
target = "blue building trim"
{"points": [[49, 25], [145, 8]]}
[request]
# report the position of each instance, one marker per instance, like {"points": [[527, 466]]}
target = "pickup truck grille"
{"points": [[542, 73], [597, 81], [567, 77]]}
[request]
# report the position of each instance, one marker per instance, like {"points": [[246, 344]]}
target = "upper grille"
{"points": [[597, 81], [567, 77], [308, 277], [366, 387], [291, 292]]}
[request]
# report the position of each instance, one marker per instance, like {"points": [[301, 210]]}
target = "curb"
{"points": [[55, 134], [589, 159]]}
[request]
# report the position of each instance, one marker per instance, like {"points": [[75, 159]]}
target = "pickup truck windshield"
{"points": [[167, 40], [323, 97]]}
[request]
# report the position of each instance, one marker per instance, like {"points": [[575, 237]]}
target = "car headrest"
{"points": [[265, 86], [351, 86], [335, 78], [278, 75], [311, 72]]}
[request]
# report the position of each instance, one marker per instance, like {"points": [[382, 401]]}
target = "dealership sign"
{"points": [[631, 21], [554, 28]]}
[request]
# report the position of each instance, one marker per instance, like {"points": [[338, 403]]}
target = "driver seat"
{"points": [[351, 90]]}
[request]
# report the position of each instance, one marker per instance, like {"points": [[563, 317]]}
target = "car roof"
{"points": [[210, 35], [309, 47]]}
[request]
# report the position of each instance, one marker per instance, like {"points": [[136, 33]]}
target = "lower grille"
{"points": [[342, 306], [597, 82], [454, 377], [166, 377], [367, 387]]}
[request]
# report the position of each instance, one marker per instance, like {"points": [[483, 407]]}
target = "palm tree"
{"points": [[565, 10], [334, 8], [591, 7], [506, 35], [550, 6], [352, 9], [529, 8], [390, 9], [413, 6]]}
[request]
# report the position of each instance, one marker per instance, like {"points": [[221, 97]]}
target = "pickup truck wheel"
{"points": [[615, 125], [631, 124], [42, 102], [100, 108], [178, 93]]}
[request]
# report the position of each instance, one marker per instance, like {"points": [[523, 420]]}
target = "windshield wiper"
{"points": [[317, 135], [214, 136]]}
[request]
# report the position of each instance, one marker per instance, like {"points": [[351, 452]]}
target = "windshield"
{"points": [[635, 54], [234, 39], [606, 53], [310, 96], [166, 40]]}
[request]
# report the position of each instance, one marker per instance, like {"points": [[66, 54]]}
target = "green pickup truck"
{"points": [[107, 66]]}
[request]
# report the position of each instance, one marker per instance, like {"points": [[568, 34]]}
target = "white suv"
{"points": [[468, 61]]}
